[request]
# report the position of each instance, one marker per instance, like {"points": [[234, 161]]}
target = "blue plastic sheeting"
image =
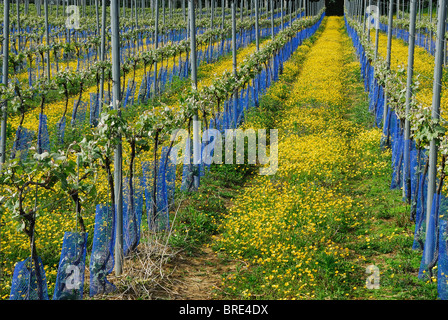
{"points": [[102, 256], [29, 282], [70, 278]]}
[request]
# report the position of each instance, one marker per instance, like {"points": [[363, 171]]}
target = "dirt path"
{"points": [[196, 278], [180, 277]]}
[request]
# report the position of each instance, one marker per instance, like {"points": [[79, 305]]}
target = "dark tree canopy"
{"points": [[334, 7]]}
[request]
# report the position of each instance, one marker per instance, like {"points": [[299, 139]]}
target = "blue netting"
{"points": [[420, 211], [442, 264], [413, 175], [208, 148], [235, 107], [187, 172], [161, 216], [372, 91], [202, 166], [170, 172], [129, 94], [406, 167], [132, 214], [186, 68], [139, 190], [179, 69], [43, 138], [255, 88], [397, 154], [159, 79], [379, 107], [79, 113], [141, 96], [430, 251], [31, 76], [94, 109], [242, 105], [262, 80], [70, 279], [385, 139], [367, 75], [147, 180], [163, 78], [422, 38], [275, 66], [149, 79], [108, 97], [22, 143], [174, 71], [371, 83], [29, 282], [225, 117], [364, 68], [102, 256], [247, 97], [60, 129], [158, 219]]}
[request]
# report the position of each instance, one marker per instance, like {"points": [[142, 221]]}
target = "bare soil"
{"points": [[198, 277]]}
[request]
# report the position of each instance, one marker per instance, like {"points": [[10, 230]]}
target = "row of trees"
{"points": [[53, 171]]}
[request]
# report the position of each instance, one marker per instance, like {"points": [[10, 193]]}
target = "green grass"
{"points": [[201, 211], [387, 223]]}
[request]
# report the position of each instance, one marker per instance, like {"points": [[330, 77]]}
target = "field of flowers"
{"points": [[300, 232], [307, 231], [86, 186], [53, 223]]}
